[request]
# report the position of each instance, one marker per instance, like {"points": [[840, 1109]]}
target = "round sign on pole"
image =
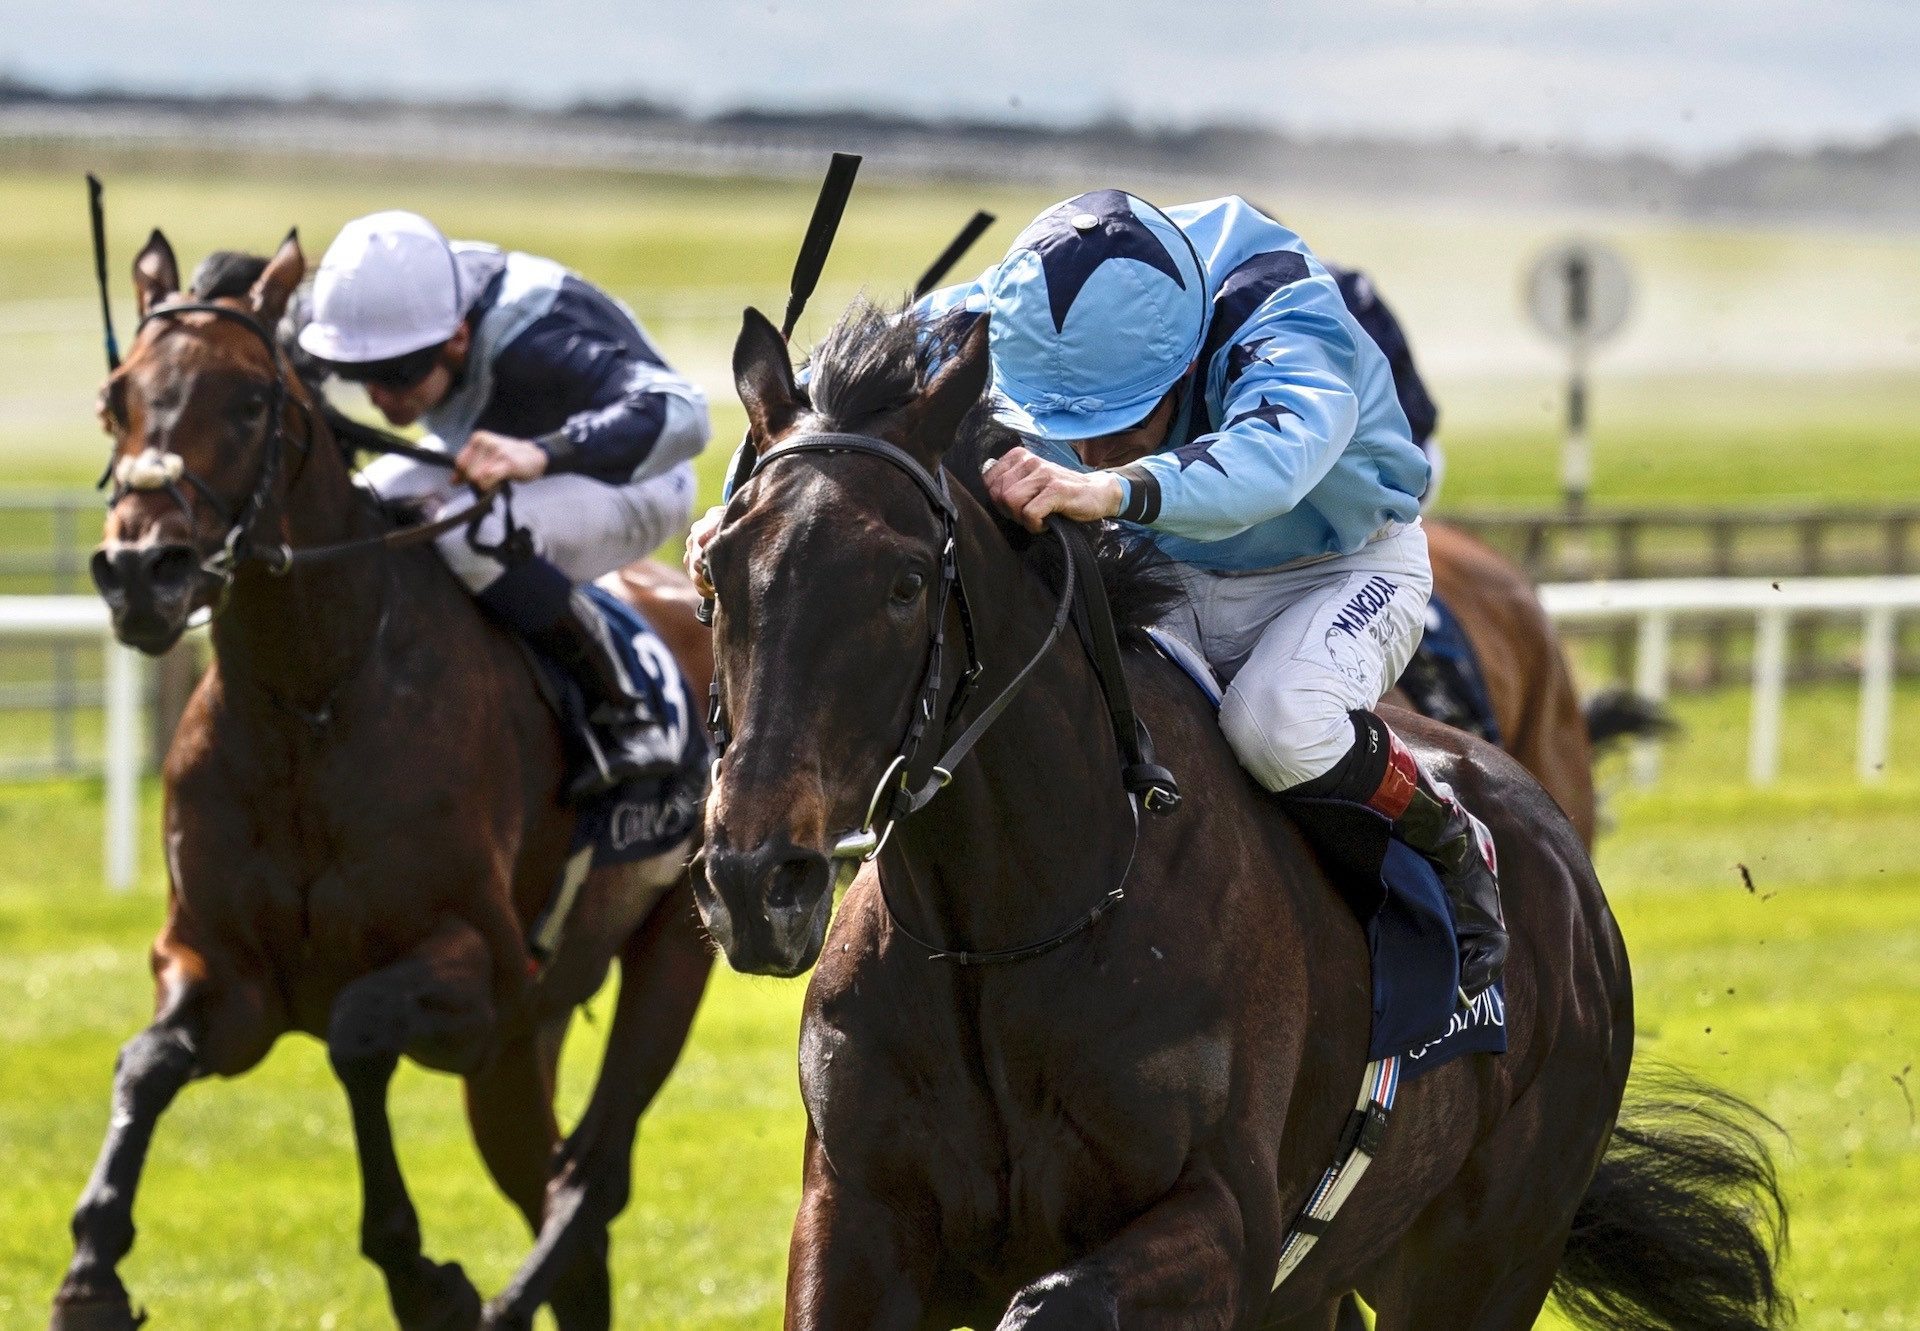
{"points": [[1579, 292]]}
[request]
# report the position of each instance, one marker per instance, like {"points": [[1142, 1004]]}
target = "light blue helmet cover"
{"points": [[1098, 308]]}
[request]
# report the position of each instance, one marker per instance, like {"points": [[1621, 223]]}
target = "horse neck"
{"points": [[297, 637], [1034, 828]]}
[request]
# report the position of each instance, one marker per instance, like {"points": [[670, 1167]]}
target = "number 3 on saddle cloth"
{"points": [[1444, 680], [644, 817], [1398, 898]]}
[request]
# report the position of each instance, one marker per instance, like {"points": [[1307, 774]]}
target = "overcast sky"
{"points": [[1689, 76]]}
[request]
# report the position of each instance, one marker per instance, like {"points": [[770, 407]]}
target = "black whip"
{"points": [[975, 228], [98, 213]]}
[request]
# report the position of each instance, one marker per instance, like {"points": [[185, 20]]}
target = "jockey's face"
{"points": [[1135, 442], [404, 404]]}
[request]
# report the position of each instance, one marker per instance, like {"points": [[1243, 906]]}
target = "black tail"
{"points": [[1684, 1224], [1623, 714]]}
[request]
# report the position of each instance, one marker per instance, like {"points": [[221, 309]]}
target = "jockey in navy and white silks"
{"points": [[1196, 372], [526, 373]]}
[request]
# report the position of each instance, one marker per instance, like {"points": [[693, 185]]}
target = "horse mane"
{"points": [[876, 360]]}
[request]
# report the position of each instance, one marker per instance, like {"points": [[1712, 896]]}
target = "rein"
{"points": [[904, 787], [153, 469]]}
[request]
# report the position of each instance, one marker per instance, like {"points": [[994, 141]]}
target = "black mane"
{"points": [[875, 361], [226, 273]]}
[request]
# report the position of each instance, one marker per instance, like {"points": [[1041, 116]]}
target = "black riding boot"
{"points": [[626, 740], [1459, 846], [1381, 772]]}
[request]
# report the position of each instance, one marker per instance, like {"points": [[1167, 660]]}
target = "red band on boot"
{"points": [[1397, 786]]}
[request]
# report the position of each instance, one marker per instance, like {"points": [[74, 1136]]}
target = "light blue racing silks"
{"points": [[1294, 445]]}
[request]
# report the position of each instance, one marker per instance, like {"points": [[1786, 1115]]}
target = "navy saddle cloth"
{"points": [[1444, 679], [641, 818], [1398, 898]]}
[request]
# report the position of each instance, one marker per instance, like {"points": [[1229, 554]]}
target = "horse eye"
{"points": [[908, 587]]}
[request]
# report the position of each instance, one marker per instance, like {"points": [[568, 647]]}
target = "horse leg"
{"points": [[1451, 1288], [663, 973], [853, 1261], [151, 1069], [1178, 1265], [436, 1007]]}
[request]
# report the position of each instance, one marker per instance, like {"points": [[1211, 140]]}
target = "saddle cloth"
{"points": [[1398, 898], [1444, 680], [641, 818]]}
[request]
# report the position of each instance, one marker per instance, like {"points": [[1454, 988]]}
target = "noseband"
{"points": [[908, 784], [142, 472]]}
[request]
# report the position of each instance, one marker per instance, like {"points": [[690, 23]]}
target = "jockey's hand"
{"points": [[1031, 489], [697, 537], [490, 458]]}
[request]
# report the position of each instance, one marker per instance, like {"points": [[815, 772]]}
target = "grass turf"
{"points": [[1797, 994]]}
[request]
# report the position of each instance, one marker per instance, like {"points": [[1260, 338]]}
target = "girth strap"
{"points": [[1359, 1143]]}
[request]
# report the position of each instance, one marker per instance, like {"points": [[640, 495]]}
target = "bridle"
{"points": [[909, 781], [154, 469]]}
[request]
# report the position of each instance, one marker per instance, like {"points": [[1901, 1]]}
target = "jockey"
{"points": [[524, 372], [1195, 372], [1423, 414]]}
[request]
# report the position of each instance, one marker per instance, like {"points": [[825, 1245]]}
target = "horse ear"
{"points": [[763, 376], [281, 279], [936, 415], [156, 277]]}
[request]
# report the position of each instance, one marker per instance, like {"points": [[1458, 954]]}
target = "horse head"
{"points": [[832, 576], [197, 414]]}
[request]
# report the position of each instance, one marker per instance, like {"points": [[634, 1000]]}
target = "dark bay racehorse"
{"points": [[1116, 1128], [361, 825]]}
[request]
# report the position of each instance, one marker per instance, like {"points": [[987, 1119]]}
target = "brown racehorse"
{"points": [[1113, 1123], [1529, 684], [361, 825]]}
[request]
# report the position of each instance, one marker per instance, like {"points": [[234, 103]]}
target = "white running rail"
{"points": [[84, 618], [1654, 605]]}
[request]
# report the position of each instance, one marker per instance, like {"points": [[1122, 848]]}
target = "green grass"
{"points": [[1750, 375], [1798, 994]]}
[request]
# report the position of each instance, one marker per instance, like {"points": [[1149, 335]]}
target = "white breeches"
{"points": [[582, 526], [1299, 648]]}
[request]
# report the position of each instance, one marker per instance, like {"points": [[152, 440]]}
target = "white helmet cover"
{"points": [[388, 285]]}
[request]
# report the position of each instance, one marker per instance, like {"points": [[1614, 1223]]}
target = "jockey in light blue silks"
{"points": [[1251, 426], [523, 372]]}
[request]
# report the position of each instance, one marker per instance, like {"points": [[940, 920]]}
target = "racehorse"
{"points": [[1529, 685], [361, 821], [1068, 1066]]}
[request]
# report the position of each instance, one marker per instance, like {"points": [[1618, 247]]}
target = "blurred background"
{"points": [[1753, 164]]}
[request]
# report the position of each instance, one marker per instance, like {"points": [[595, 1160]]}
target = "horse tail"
{"points": [[1616, 714], [1683, 1226]]}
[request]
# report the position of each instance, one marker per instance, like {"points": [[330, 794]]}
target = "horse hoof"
{"points": [[445, 1300], [108, 1314]]}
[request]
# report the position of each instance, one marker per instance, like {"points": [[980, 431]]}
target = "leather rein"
{"points": [[154, 469], [909, 782]]}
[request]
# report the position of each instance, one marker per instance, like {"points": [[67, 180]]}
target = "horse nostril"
{"points": [[171, 566], [106, 577], [796, 880]]}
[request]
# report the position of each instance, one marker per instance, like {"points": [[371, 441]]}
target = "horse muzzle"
{"points": [[767, 906], [149, 591]]}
